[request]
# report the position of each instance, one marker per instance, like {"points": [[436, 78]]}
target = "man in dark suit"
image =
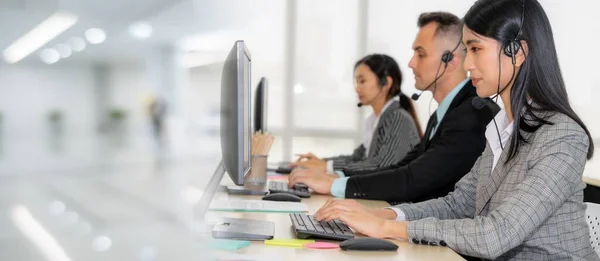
{"points": [[453, 140]]}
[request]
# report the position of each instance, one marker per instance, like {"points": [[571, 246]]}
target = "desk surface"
{"points": [[591, 181], [283, 230]]}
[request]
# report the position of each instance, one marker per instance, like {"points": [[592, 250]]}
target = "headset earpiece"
{"points": [[383, 81], [447, 57], [511, 49]]}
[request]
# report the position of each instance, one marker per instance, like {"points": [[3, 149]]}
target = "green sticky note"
{"points": [[228, 244]]}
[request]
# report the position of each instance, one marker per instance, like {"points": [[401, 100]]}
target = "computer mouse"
{"points": [[300, 186], [284, 170], [282, 197], [368, 244]]}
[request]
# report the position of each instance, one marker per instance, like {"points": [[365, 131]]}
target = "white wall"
{"points": [[29, 93]]}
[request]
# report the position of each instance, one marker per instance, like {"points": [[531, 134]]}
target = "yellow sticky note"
{"points": [[288, 242]]}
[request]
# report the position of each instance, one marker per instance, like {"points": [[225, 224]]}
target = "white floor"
{"points": [[95, 200]]}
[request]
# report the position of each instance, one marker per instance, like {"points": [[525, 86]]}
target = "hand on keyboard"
{"points": [[361, 219], [314, 179], [306, 226]]}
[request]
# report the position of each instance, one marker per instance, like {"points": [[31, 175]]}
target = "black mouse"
{"points": [[284, 170], [282, 197], [368, 244]]}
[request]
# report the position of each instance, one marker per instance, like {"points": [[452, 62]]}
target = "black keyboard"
{"points": [[306, 226], [282, 187]]}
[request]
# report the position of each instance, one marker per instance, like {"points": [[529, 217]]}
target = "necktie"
{"points": [[433, 121]]}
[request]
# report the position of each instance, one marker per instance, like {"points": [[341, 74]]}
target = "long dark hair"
{"points": [[540, 78], [383, 66]]}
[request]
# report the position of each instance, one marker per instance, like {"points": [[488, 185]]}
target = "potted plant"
{"points": [[55, 119], [117, 124]]}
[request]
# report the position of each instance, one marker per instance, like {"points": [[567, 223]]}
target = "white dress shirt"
{"points": [[369, 126], [504, 127]]}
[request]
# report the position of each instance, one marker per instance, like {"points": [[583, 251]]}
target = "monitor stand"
{"points": [[230, 228], [251, 187]]}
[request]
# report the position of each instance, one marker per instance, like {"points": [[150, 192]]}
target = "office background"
{"points": [[89, 112], [305, 48]]}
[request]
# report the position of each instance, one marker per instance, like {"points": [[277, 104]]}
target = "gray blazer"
{"points": [[395, 135], [535, 209]]}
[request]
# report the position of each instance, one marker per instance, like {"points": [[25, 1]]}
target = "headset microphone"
{"points": [[416, 96], [360, 104]]}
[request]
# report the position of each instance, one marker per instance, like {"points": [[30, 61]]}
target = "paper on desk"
{"points": [[257, 206]]}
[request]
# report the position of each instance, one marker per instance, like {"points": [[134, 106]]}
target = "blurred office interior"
{"points": [[109, 118]]}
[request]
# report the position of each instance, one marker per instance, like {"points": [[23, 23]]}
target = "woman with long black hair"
{"points": [[389, 133], [523, 198]]}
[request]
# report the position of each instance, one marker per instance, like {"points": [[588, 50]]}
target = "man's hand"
{"points": [[316, 164], [318, 181], [308, 156]]}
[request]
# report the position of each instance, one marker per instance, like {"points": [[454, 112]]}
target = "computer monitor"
{"points": [[260, 105], [235, 122], [235, 113], [235, 141]]}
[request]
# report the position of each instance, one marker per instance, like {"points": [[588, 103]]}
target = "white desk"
{"points": [[283, 230]]}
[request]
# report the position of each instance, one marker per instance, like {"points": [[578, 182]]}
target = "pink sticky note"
{"points": [[322, 245]]}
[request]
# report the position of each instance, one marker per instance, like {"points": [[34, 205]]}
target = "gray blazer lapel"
{"points": [[484, 178], [489, 183], [375, 142]]}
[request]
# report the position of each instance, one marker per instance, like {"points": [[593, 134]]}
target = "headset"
{"points": [[382, 81], [510, 49], [446, 58]]}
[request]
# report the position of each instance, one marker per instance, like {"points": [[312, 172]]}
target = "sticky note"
{"points": [[322, 245], [227, 244], [288, 242]]}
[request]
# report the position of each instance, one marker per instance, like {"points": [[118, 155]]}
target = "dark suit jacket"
{"points": [[434, 166]]}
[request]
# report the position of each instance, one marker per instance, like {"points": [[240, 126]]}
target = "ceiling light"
{"points": [[140, 30], [77, 44], [102, 244], [57, 208], [39, 36], [49, 55], [71, 218], [298, 88], [95, 35], [64, 50]]}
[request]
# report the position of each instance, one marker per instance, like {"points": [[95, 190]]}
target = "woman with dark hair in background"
{"points": [[390, 132], [523, 198]]}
